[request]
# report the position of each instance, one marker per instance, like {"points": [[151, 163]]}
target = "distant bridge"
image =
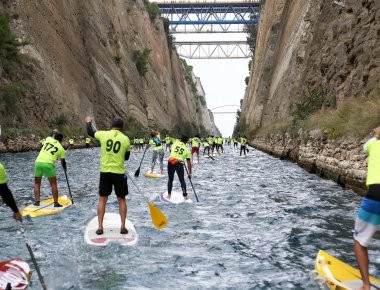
{"points": [[211, 17], [224, 107]]}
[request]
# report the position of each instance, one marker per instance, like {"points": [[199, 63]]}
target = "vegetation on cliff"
{"points": [[355, 118], [188, 69]]}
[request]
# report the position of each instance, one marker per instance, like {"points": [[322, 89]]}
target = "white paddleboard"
{"points": [[175, 198], [243, 156], [111, 231], [16, 272], [153, 175]]}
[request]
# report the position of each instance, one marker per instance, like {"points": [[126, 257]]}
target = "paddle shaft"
{"points": [[191, 182], [68, 185], [138, 189], [43, 285], [137, 173]]}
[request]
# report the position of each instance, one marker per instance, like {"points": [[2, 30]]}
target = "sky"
{"points": [[222, 80]]}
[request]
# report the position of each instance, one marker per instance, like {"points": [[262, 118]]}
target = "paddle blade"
{"points": [[158, 218], [137, 173]]}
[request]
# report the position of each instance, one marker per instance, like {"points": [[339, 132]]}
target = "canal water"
{"points": [[259, 224]]}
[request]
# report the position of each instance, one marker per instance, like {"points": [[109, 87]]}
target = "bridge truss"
{"points": [[210, 17], [213, 49]]}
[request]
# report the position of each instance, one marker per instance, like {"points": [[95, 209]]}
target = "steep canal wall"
{"points": [[342, 160], [314, 90], [98, 58]]}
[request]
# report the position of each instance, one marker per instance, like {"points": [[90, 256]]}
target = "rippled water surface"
{"points": [[259, 225]]}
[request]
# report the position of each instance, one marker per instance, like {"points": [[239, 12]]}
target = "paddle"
{"points": [[211, 157], [137, 173], [191, 182], [43, 285], [68, 185], [158, 218]]}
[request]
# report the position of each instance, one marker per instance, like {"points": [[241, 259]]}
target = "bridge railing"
{"points": [[205, 1]]}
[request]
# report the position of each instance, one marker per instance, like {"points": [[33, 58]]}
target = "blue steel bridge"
{"points": [[211, 17]]}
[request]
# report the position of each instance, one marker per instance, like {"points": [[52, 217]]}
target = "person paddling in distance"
{"points": [[158, 151], [115, 149], [178, 154], [368, 218], [44, 166], [195, 144], [243, 145]]}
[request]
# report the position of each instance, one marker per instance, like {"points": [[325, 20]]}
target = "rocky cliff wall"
{"points": [[343, 161], [307, 46], [86, 67], [304, 45]]}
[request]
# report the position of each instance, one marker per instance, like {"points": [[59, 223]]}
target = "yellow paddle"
{"points": [[158, 218]]}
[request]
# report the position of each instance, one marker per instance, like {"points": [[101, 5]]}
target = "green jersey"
{"points": [[168, 140], [156, 143], [372, 148], [71, 141], [195, 142], [50, 151], [210, 140], [220, 141], [88, 140], [3, 174], [205, 144], [180, 151], [113, 146], [243, 141]]}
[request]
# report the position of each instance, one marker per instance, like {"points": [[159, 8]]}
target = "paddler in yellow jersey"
{"points": [[178, 154], [195, 143], [6, 194], [44, 166], [168, 142], [115, 149], [158, 151], [243, 145], [88, 141]]}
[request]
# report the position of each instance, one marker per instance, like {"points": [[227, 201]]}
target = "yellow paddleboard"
{"points": [[153, 175], [47, 207], [339, 275]]}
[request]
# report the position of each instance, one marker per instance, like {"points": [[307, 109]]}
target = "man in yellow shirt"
{"points": [[88, 141], [178, 154], [44, 166], [195, 144], [115, 149], [367, 222], [6, 194], [158, 151]]}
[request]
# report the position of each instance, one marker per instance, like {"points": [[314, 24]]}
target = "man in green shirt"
{"points": [[178, 154], [115, 149], [195, 144], [367, 222], [158, 151], [88, 141], [243, 145], [6, 194], [44, 166], [168, 142]]}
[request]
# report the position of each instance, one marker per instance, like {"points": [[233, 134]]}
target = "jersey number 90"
{"points": [[115, 147]]}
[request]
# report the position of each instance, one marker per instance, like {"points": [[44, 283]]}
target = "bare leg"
{"points": [[122, 210], [361, 254], [54, 188], [101, 210], [37, 189]]}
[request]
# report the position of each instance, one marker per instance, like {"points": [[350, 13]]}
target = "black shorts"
{"points": [[108, 179]]}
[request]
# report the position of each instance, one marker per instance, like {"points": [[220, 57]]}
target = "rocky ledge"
{"points": [[341, 160], [30, 143]]}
